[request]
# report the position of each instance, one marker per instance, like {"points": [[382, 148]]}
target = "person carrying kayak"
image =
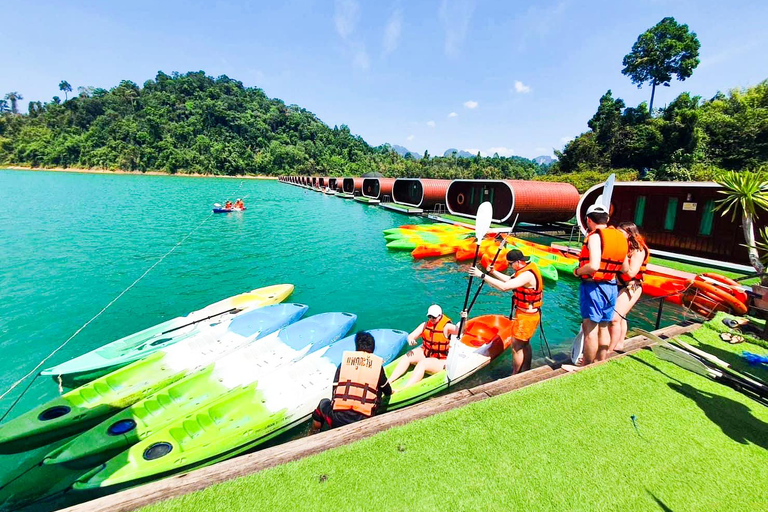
{"points": [[357, 387], [630, 284], [228, 205], [430, 357], [602, 258], [527, 290]]}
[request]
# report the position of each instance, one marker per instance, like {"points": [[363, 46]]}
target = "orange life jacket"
{"points": [[614, 250], [435, 343], [624, 279], [228, 205], [529, 298], [357, 389]]}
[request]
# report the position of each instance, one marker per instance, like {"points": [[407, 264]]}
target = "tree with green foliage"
{"points": [[14, 97], [665, 49], [65, 88], [4, 107]]}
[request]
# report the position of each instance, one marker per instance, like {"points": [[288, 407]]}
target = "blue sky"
{"points": [[516, 77]]}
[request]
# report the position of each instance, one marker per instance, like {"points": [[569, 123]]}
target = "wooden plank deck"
{"points": [[132, 499]]}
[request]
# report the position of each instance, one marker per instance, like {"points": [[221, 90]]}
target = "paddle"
{"points": [[498, 251], [482, 224], [605, 199]]}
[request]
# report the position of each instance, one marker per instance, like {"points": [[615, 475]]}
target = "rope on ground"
{"points": [[142, 276]]}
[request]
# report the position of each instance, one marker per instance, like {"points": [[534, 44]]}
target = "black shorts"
{"points": [[325, 414]]}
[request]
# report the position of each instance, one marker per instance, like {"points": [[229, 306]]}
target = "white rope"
{"points": [[41, 363]]}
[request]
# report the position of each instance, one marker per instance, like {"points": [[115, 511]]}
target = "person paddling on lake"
{"points": [[528, 294], [430, 357], [357, 387], [228, 205], [630, 284], [602, 258], [239, 204]]}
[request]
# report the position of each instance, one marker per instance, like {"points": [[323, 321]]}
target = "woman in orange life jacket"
{"points": [[357, 387], [528, 291], [630, 284], [602, 258], [430, 357]]}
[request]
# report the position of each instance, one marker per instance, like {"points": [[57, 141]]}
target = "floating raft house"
{"points": [[537, 202], [419, 193], [353, 186], [377, 188]]}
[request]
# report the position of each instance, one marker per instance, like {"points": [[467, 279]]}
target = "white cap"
{"points": [[597, 208], [434, 310]]}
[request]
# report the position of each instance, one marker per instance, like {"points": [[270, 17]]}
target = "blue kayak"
{"points": [[228, 210]]}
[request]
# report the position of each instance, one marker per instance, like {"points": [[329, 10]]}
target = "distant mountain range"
{"points": [[400, 150], [543, 160], [459, 154]]}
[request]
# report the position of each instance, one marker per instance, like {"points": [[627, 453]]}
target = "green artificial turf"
{"points": [[564, 444]]}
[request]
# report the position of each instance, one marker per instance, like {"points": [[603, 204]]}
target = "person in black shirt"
{"points": [[358, 386]]}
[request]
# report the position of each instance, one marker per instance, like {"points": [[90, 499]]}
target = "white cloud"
{"points": [[361, 60], [431, 124], [471, 104], [410, 137], [474, 151], [521, 88], [455, 16], [346, 17], [453, 114], [392, 31], [501, 150]]}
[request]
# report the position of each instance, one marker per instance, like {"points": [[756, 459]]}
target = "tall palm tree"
{"points": [[65, 87], [746, 194], [13, 97]]}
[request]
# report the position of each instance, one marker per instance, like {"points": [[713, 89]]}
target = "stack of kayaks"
{"points": [[239, 420], [709, 293], [89, 404], [119, 353], [426, 240]]}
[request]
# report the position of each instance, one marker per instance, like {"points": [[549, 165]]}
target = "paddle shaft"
{"points": [[233, 310], [498, 251], [469, 288]]}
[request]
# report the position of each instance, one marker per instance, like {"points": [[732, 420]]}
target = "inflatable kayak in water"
{"points": [[119, 353], [87, 405], [240, 368], [238, 421], [228, 210], [485, 338]]}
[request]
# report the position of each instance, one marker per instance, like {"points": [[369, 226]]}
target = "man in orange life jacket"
{"points": [[357, 387], [528, 292], [228, 205], [430, 357], [602, 258]]}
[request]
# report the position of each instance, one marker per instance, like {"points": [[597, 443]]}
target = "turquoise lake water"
{"points": [[70, 243]]}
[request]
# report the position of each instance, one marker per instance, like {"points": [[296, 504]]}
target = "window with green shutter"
{"points": [[669, 220], [707, 218], [639, 210]]}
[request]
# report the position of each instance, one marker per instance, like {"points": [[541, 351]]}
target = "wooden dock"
{"points": [[154, 492]]}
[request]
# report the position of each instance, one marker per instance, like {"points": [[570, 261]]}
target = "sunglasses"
{"points": [[430, 317]]}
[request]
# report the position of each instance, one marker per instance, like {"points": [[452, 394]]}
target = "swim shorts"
{"points": [[524, 325], [597, 300]]}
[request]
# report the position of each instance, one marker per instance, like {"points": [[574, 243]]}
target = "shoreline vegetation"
{"points": [[77, 170]]}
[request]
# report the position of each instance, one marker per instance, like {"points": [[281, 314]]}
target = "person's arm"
{"points": [[595, 250], [450, 329], [384, 386], [632, 264], [415, 334], [501, 276], [526, 278]]}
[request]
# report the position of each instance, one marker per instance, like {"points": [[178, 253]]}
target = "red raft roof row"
{"points": [[533, 201]]}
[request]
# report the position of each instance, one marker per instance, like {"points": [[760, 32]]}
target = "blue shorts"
{"points": [[597, 300]]}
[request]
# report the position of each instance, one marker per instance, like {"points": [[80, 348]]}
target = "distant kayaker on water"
{"points": [[630, 284], [239, 204], [528, 292], [357, 387], [602, 258], [228, 205], [430, 357]]}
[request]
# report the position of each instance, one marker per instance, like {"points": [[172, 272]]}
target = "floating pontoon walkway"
{"points": [[401, 208]]}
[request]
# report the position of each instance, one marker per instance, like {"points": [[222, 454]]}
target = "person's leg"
{"points": [[603, 341], [411, 357], [321, 415], [590, 329], [427, 365], [637, 292], [521, 356], [617, 322], [606, 300]]}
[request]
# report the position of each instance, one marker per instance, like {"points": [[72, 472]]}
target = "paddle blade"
{"points": [[483, 220], [608, 191]]}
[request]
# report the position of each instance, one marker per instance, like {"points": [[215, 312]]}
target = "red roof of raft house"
{"points": [[422, 193], [537, 202]]}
